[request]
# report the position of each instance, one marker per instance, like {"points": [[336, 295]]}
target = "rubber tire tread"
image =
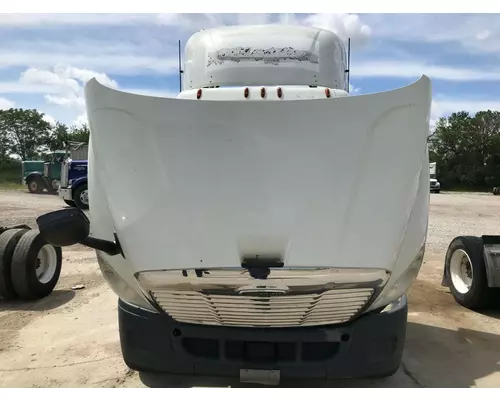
{"points": [[76, 197], [8, 242], [480, 294], [40, 185], [23, 267]]}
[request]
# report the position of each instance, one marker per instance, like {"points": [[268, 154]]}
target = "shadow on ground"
{"points": [[56, 299], [434, 357]]}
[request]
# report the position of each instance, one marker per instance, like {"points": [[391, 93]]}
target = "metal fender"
{"points": [[33, 174], [78, 182], [320, 183]]}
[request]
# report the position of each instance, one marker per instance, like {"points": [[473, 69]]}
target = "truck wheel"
{"points": [[464, 264], [35, 185], [8, 242], [81, 197], [36, 266]]}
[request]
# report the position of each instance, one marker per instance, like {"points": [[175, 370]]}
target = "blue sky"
{"points": [[45, 59]]}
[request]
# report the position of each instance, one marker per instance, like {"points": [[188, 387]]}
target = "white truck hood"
{"points": [[201, 184]]}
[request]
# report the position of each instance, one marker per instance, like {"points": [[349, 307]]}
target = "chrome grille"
{"points": [[330, 307], [288, 298]]}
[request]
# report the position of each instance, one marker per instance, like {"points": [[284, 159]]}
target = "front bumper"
{"points": [[65, 193], [370, 346]]}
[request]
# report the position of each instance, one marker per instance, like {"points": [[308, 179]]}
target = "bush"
{"points": [[11, 172]]}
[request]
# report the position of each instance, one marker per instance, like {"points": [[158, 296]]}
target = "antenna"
{"points": [[348, 70], [180, 68]]}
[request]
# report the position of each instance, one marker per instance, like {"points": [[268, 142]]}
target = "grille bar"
{"points": [[304, 299], [326, 308]]}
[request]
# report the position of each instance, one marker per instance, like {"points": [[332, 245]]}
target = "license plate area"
{"points": [[260, 376]]}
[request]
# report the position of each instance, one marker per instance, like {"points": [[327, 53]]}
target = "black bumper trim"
{"points": [[370, 346]]}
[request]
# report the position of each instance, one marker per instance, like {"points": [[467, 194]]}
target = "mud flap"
{"points": [[491, 251], [446, 281]]}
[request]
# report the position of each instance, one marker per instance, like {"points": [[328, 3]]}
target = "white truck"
{"points": [[227, 224], [435, 186]]}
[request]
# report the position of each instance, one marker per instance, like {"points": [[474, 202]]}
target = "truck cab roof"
{"points": [[265, 55]]}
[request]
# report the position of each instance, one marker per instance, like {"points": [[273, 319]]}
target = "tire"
{"points": [[70, 203], [31, 254], [80, 193], [495, 191], [36, 185], [468, 282], [8, 242]]}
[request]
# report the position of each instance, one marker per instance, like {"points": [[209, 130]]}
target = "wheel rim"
{"points": [[84, 197], [46, 263], [461, 271], [33, 186]]}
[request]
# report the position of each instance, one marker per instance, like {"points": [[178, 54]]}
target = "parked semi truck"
{"points": [[218, 221], [39, 175], [435, 186], [73, 188]]}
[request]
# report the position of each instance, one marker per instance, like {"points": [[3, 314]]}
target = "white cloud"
{"points": [[479, 33], [344, 25], [443, 106], [62, 86], [483, 35], [81, 120], [405, 69], [127, 63], [192, 22], [69, 100], [41, 77], [58, 57], [73, 19], [23, 87], [50, 119], [67, 84], [354, 90], [133, 44], [253, 19], [5, 104], [84, 75]]}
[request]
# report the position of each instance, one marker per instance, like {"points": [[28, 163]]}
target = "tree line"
{"points": [[466, 148], [28, 135]]}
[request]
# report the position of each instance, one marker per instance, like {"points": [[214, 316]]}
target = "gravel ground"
{"points": [[70, 339]]}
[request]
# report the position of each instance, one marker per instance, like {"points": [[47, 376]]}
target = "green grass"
{"points": [[10, 176], [11, 186]]}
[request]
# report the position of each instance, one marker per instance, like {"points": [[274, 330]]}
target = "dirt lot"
{"points": [[70, 339]]}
